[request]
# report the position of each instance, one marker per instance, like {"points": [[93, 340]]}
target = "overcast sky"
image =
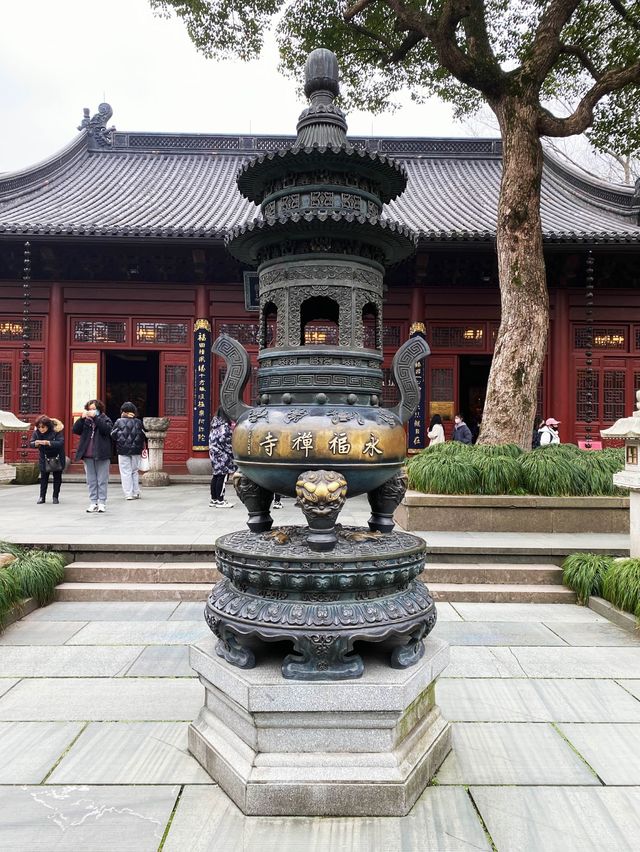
{"points": [[58, 56]]}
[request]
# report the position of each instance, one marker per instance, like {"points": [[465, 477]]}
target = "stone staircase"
{"points": [[140, 580], [497, 582], [105, 580]]}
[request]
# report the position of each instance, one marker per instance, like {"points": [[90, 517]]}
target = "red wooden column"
{"points": [[202, 302], [417, 310], [56, 357], [560, 395]]}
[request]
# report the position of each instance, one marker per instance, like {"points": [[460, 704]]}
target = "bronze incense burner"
{"points": [[318, 431]]}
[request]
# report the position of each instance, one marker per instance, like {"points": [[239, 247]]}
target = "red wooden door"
{"points": [[175, 402]]}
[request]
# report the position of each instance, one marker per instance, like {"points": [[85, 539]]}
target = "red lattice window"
{"points": [[390, 395], [161, 332], [441, 384], [637, 338], [98, 331], [391, 336], [5, 386], [244, 332], [31, 395], [12, 328], [175, 390], [458, 336], [613, 395], [604, 337], [587, 395], [540, 401], [317, 333]]}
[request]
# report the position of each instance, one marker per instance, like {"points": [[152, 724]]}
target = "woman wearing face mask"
{"points": [[94, 428], [461, 431], [48, 438]]}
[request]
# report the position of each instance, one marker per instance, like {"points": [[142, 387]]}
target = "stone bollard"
{"points": [[156, 429]]}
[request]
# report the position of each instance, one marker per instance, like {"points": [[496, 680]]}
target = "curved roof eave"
{"points": [[34, 174]]}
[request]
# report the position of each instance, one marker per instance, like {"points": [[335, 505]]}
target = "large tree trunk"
{"points": [[520, 346]]}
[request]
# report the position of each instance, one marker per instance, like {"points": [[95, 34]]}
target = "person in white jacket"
{"points": [[436, 431], [549, 432]]}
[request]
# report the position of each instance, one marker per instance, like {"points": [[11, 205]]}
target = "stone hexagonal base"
{"points": [[279, 747]]}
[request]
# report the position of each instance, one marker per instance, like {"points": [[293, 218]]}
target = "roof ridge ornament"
{"points": [[99, 134], [322, 124]]}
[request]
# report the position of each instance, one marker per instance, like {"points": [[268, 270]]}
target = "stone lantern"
{"points": [[628, 430], [322, 603], [9, 423]]}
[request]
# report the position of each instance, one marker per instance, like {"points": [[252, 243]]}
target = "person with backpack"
{"points": [[549, 432], [535, 438], [129, 438]]}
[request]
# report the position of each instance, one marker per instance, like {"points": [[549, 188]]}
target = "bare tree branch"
{"points": [[582, 117], [545, 48], [582, 55], [359, 6]]}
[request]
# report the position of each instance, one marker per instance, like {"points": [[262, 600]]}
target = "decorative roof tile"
{"points": [[175, 186]]}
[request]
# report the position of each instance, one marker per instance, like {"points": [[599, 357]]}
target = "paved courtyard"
{"points": [[95, 699]]}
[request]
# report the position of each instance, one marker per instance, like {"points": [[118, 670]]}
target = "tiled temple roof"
{"points": [[168, 186]]}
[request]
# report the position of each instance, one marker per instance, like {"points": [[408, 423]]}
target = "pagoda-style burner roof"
{"points": [[389, 175], [393, 240]]}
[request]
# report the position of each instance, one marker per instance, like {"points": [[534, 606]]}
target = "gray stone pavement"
{"points": [[95, 700], [180, 515]]}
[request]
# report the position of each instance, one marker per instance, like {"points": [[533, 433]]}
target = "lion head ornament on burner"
{"points": [[318, 431]]}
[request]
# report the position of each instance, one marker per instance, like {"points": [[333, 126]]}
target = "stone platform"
{"points": [[278, 747]]}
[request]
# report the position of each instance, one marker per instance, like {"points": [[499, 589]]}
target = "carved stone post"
{"points": [[156, 429]]}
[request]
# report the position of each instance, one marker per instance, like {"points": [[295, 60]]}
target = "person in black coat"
{"points": [[94, 428], [129, 438], [48, 438], [461, 431]]}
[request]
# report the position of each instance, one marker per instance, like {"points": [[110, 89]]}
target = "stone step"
{"points": [[532, 574], [501, 593], [141, 572], [132, 591]]}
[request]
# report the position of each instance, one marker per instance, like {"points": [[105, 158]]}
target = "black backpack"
{"points": [[535, 440]]}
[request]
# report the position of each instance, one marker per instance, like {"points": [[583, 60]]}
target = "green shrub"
{"points": [[9, 591], [498, 474], [511, 450], [600, 466], [560, 470], [444, 473], [585, 573], [36, 573], [554, 471], [622, 584]]}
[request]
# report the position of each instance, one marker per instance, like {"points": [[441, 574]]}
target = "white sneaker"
{"points": [[213, 504], [137, 496], [93, 507], [223, 504], [129, 497], [102, 507], [277, 505]]}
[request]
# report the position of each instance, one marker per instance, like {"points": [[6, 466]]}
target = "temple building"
{"points": [[114, 280]]}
